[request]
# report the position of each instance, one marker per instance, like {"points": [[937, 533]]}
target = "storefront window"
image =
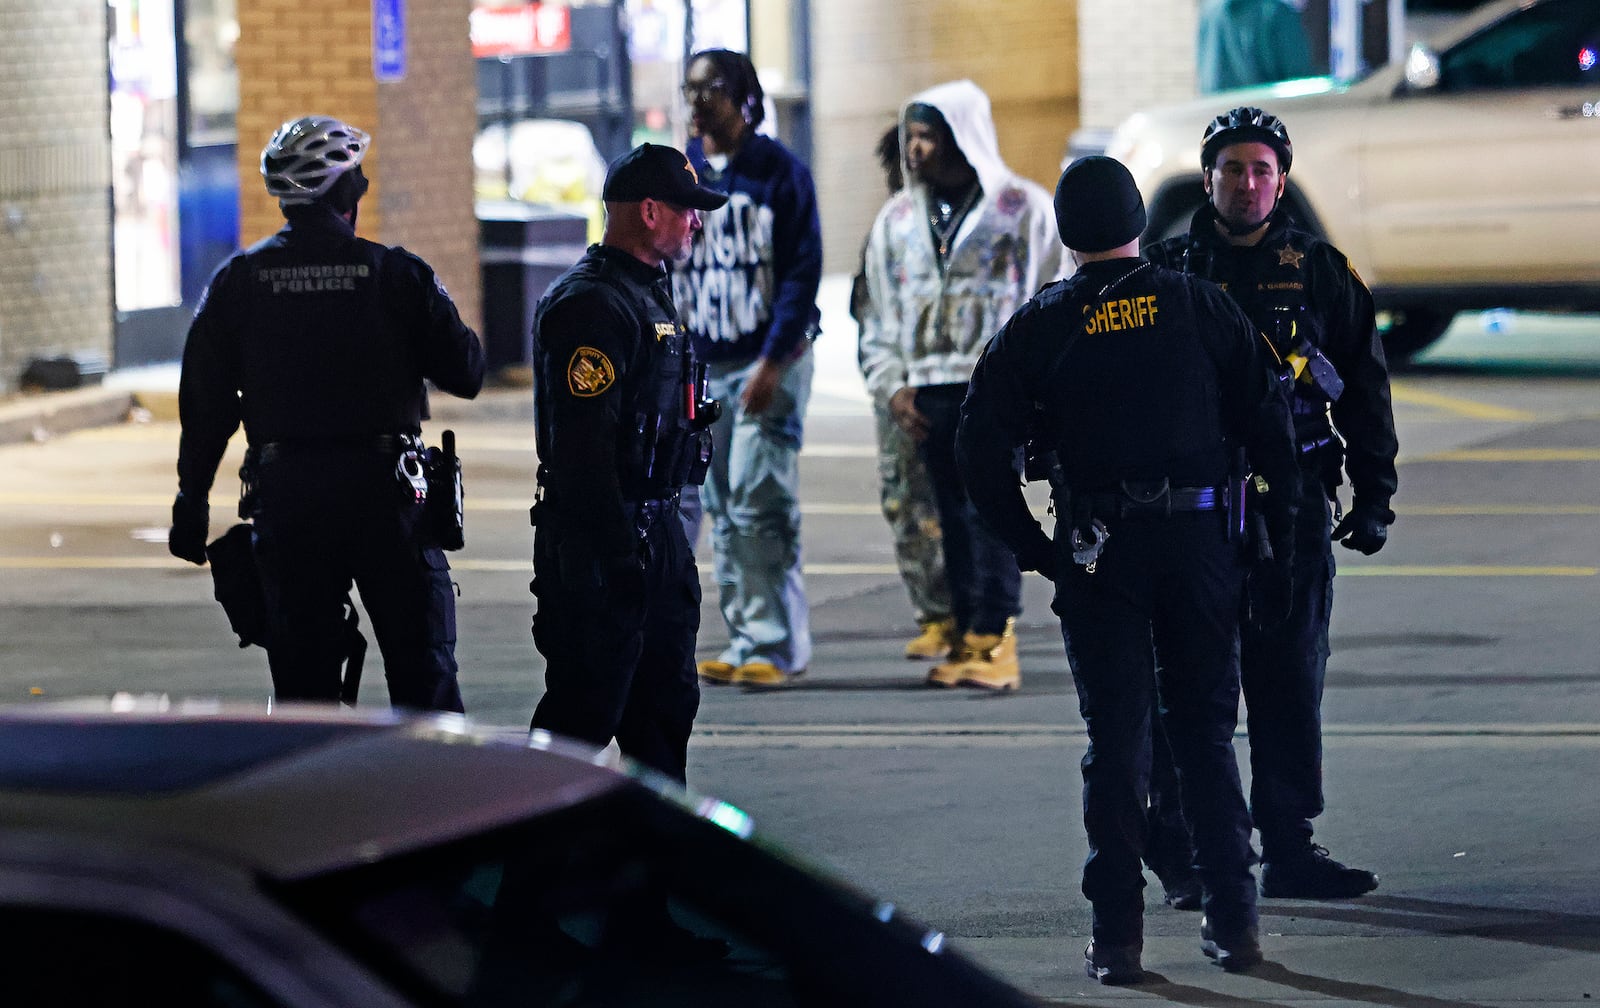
{"points": [[210, 30], [144, 151], [552, 102]]}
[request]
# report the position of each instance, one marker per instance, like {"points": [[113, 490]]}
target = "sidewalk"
{"points": [[151, 393]]}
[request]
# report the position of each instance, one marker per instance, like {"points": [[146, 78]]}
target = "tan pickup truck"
{"points": [[1466, 178]]}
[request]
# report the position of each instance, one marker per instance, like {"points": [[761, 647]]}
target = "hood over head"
{"points": [[966, 109]]}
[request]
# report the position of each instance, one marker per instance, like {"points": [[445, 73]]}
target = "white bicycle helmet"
{"points": [[306, 156]]}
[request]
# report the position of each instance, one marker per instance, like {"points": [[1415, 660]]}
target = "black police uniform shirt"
{"points": [[1292, 276], [315, 335], [612, 370], [1142, 373]]}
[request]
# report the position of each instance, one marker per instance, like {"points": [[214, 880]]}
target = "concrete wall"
{"points": [[1133, 55], [297, 59], [869, 57], [55, 184]]}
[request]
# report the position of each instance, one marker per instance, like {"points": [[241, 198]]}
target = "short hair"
{"points": [[744, 84]]}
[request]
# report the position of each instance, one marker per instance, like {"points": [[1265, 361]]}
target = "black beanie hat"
{"points": [[1098, 207]]}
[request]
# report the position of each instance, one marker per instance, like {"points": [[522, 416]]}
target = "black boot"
{"points": [[1113, 964], [1233, 950], [1309, 873]]}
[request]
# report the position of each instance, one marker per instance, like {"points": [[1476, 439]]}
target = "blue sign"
{"points": [[389, 40]]}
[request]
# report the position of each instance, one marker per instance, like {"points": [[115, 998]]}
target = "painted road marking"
{"points": [[1513, 455], [815, 569], [1027, 736], [1405, 393], [837, 510]]}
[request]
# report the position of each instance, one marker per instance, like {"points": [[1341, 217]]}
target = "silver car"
{"points": [[185, 854], [1465, 178]]}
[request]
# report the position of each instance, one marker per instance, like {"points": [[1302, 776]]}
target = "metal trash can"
{"points": [[522, 248]]}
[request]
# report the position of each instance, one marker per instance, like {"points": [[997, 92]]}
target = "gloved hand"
{"points": [[1269, 594], [191, 526], [1040, 556], [1364, 528]]}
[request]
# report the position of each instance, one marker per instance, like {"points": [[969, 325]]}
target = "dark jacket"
{"points": [[612, 373], [1292, 276], [317, 336], [1139, 373]]}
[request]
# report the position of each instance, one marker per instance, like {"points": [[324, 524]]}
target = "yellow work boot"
{"points": [[993, 661], [947, 674], [933, 643], [764, 674], [717, 672]]}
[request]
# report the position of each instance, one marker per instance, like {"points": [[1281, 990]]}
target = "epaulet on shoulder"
{"points": [[1050, 293]]}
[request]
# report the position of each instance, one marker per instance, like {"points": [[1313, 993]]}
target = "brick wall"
{"points": [[1128, 62], [55, 209], [870, 57], [299, 59]]}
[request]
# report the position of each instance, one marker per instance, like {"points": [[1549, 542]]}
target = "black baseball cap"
{"points": [[652, 171]]}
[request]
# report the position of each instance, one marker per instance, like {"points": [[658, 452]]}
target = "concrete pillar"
{"points": [[299, 59], [55, 182], [869, 57]]}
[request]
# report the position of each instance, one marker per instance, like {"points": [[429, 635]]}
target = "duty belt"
{"points": [[647, 512], [1122, 504], [388, 445]]}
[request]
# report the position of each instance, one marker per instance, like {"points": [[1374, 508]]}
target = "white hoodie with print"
{"points": [[930, 323]]}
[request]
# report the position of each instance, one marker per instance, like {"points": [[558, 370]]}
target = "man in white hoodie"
{"points": [[951, 256]]}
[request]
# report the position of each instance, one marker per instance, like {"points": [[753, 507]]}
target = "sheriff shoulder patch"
{"points": [[589, 373]]}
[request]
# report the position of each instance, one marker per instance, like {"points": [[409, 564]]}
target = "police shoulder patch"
{"points": [[589, 373]]}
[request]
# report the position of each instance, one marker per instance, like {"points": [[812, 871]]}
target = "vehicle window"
{"points": [[62, 957], [1555, 44], [559, 912]]}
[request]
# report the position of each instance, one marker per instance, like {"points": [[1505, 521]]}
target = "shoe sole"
{"points": [[1111, 978], [1005, 687], [1231, 962], [718, 678], [1279, 892]]}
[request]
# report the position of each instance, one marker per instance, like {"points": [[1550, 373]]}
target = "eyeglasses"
{"points": [[714, 88]]}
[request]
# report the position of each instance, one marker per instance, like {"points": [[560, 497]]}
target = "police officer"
{"points": [[622, 427], [319, 342], [1306, 297], [1140, 384]]}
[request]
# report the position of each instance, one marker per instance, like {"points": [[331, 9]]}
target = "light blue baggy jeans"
{"points": [[751, 496]]}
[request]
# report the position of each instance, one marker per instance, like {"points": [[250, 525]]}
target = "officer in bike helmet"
{"points": [[319, 342], [1306, 297]]}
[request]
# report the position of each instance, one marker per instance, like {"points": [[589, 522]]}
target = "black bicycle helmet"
{"points": [[306, 156], [1246, 124]]}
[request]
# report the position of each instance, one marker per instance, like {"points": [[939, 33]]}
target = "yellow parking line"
{"points": [[1496, 510], [1513, 455], [1406, 393], [1463, 570], [520, 565]]}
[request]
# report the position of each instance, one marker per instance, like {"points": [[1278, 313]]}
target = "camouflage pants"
{"points": [[906, 494]]}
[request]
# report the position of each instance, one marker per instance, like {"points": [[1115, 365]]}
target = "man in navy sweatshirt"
{"points": [[748, 297]]}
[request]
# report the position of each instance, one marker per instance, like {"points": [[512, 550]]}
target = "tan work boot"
{"points": [[992, 664], [716, 672], [947, 674], [934, 642]]}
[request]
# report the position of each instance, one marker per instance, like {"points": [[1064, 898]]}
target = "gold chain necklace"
{"points": [[946, 221]]}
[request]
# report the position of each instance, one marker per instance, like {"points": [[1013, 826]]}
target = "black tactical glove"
{"points": [[191, 524], [1040, 556], [1365, 528], [1269, 594]]}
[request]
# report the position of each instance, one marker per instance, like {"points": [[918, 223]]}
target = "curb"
{"points": [[41, 416]]}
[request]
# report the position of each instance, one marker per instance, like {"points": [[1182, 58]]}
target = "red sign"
{"points": [[513, 31]]}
